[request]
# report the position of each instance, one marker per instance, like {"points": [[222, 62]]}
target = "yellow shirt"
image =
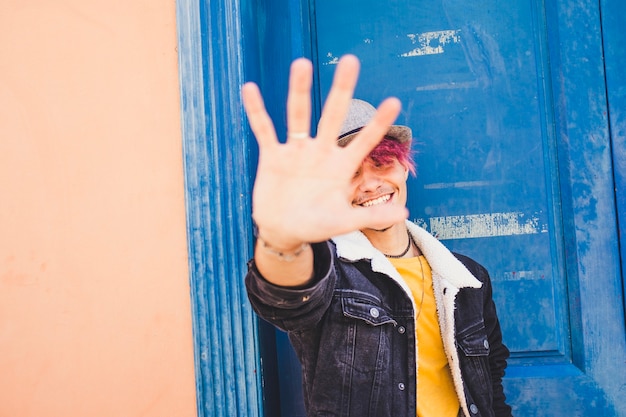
{"points": [[436, 396]]}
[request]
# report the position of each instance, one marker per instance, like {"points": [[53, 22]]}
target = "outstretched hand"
{"points": [[302, 191]]}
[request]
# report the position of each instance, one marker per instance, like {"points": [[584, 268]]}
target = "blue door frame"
{"points": [[217, 184], [224, 43]]}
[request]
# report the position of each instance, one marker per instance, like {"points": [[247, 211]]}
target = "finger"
{"points": [[260, 122], [379, 218], [299, 99], [339, 97], [374, 132]]}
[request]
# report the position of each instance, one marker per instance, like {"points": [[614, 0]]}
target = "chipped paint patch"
{"points": [[331, 59], [484, 225], [523, 275], [462, 184], [448, 86], [432, 43]]}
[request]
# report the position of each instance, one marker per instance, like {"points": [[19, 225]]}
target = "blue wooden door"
{"points": [[509, 104]]}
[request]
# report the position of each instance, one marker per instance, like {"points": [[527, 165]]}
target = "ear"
{"points": [[406, 173]]}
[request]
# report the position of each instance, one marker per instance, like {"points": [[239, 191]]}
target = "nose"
{"points": [[367, 179]]}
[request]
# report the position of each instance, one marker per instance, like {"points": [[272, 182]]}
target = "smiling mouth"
{"points": [[376, 201]]}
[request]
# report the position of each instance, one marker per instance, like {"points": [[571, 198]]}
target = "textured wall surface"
{"points": [[95, 316]]}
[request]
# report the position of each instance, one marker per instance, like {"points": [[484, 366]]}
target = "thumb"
{"points": [[379, 217]]}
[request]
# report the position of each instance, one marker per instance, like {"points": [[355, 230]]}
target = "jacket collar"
{"points": [[355, 246]]}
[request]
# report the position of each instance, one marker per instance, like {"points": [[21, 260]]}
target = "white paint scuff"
{"points": [[432, 43], [523, 275], [331, 59], [461, 184], [485, 225]]}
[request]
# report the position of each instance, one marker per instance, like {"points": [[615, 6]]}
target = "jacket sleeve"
{"points": [[498, 352], [297, 308]]}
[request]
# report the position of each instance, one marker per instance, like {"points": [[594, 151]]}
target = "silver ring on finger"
{"points": [[297, 135]]}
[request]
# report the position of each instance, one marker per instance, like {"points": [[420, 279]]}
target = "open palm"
{"points": [[302, 191]]}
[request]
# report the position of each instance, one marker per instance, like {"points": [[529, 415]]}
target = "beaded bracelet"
{"points": [[283, 256]]}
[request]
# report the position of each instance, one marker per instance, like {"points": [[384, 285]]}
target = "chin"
{"points": [[384, 229]]}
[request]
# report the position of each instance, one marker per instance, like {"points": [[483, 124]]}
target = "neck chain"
{"points": [[405, 251]]}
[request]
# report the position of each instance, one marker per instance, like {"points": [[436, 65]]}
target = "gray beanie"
{"points": [[359, 115]]}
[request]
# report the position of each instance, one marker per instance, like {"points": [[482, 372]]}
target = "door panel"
{"points": [[473, 86]]}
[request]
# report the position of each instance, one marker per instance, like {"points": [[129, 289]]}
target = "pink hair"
{"points": [[388, 149]]}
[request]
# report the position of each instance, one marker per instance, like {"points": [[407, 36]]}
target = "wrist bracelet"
{"points": [[283, 256]]}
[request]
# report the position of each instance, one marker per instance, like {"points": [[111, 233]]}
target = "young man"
{"points": [[384, 319]]}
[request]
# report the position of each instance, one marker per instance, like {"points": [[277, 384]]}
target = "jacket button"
{"points": [[401, 329], [474, 409], [486, 344], [401, 386], [374, 312]]}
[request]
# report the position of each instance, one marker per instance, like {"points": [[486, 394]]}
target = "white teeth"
{"points": [[379, 200]]}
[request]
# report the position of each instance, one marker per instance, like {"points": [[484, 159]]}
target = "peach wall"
{"points": [[94, 297]]}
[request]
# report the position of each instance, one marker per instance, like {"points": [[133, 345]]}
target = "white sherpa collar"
{"points": [[355, 246]]}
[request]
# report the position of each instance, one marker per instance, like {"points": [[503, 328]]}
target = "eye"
{"points": [[381, 166]]}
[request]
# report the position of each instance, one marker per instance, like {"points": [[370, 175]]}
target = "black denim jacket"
{"points": [[353, 329]]}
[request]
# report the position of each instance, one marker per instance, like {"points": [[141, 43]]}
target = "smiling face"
{"points": [[374, 184], [381, 178]]}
